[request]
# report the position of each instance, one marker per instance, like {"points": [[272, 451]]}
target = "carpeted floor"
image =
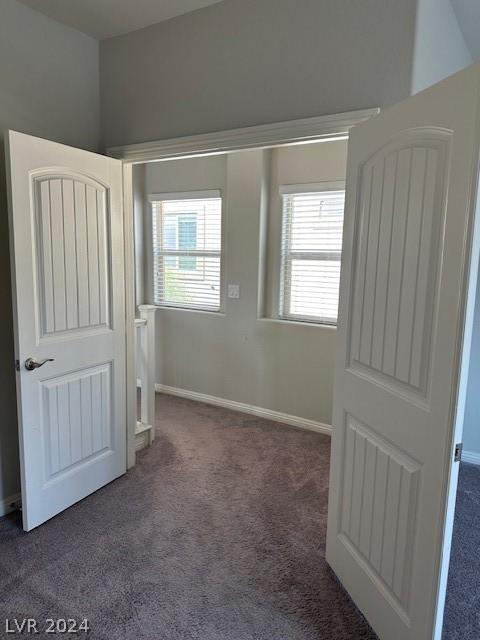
{"points": [[462, 609], [217, 534]]}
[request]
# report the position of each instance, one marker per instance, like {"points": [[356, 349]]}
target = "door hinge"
{"points": [[458, 452]]}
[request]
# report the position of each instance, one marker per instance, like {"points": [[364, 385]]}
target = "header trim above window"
{"points": [[185, 195], [312, 187]]}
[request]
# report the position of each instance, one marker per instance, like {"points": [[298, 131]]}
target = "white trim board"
{"points": [[185, 195], [264, 135], [277, 416], [8, 505], [311, 187], [471, 457]]}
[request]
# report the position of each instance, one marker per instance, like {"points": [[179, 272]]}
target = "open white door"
{"points": [[411, 183], [66, 222]]}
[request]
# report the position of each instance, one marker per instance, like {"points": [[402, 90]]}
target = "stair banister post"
{"points": [[147, 312]]}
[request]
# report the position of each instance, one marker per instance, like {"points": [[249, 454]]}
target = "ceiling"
{"points": [[106, 18], [468, 16]]}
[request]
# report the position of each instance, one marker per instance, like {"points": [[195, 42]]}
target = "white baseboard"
{"points": [[8, 504], [471, 457], [277, 416]]}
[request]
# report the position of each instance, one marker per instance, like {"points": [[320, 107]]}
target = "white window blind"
{"points": [[187, 250], [312, 226]]}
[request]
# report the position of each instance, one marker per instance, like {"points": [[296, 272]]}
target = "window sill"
{"points": [[298, 323]]}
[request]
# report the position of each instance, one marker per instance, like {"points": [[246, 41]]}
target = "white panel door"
{"points": [[411, 179], [67, 251]]}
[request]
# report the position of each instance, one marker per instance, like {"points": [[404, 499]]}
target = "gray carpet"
{"points": [[217, 534], [462, 610]]}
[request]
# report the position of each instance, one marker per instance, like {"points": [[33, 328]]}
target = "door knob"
{"points": [[31, 363]]}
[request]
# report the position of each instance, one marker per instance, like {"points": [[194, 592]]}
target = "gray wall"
{"points": [[49, 87], [247, 62], [440, 47], [139, 209], [278, 365]]}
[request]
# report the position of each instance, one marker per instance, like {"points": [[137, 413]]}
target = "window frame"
{"points": [[283, 292], [190, 195]]}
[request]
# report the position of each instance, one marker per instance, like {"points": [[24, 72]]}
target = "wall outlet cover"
{"points": [[233, 291]]}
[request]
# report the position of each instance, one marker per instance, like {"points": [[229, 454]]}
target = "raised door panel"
{"points": [[77, 419], [379, 502], [398, 238], [72, 254]]}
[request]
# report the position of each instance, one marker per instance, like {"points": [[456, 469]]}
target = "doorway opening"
{"points": [[240, 254]]}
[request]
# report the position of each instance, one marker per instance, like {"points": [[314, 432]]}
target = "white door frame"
{"points": [[260, 136], [130, 338], [320, 128]]}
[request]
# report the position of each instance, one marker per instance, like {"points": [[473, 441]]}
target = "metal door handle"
{"points": [[31, 363]]}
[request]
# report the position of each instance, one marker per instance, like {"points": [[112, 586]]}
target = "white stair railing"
{"points": [[146, 362]]}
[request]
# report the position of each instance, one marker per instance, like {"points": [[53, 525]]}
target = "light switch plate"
{"points": [[233, 291]]}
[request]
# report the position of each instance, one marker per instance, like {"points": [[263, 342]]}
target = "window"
{"points": [[187, 250], [312, 224]]}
